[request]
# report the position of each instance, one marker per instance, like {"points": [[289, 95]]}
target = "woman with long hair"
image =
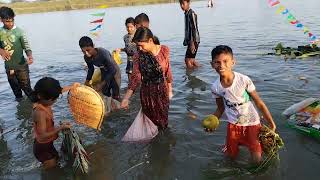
{"points": [[151, 69]]}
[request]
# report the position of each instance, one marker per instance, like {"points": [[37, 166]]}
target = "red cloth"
{"points": [[242, 135], [163, 59]]}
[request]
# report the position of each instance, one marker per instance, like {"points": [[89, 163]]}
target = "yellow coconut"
{"points": [[211, 122]]}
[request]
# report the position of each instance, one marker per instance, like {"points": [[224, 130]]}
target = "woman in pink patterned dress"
{"points": [[151, 70]]}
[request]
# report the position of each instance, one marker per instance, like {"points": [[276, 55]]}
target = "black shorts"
{"points": [[44, 151], [189, 54]]}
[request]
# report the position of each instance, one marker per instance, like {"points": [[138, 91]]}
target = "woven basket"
{"points": [[87, 106]]}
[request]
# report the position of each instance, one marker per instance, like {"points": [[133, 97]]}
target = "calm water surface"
{"points": [[184, 151]]}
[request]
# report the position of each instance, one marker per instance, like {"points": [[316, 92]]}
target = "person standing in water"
{"points": [[130, 47], [46, 92], [110, 71], [151, 70], [191, 37], [237, 98], [13, 42], [210, 3]]}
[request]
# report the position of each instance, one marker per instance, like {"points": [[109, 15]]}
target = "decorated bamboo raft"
{"points": [[305, 117], [299, 52]]}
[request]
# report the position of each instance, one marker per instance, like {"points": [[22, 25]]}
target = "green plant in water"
{"points": [[74, 151], [271, 142]]}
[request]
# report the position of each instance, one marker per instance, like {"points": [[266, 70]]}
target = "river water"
{"points": [[184, 151]]}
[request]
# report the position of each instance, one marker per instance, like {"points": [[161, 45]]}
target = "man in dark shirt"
{"points": [[191, 37], [110, 71]]}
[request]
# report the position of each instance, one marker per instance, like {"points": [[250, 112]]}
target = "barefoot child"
{"points": [[46, 92], [235, 94], [130, 47], [191, 34]]}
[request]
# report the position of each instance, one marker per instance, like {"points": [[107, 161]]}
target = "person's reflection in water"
{"points": [[24, 114], [101, 158], [161, 156], [193, 83], [4, 154]]}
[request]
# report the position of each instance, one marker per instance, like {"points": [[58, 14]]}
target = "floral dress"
{"points": [[154, 74]]}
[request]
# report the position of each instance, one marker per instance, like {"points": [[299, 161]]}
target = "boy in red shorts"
{"points": [[233, 93]]}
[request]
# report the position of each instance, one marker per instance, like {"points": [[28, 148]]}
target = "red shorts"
{"points": [[242, 135]]}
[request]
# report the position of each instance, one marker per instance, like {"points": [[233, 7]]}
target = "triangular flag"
{"points": [[294, 22], [305, 30], [285, 11], [99, 26], [96, 34], [313, 38], [97, 21], [291, 17], [281, 9], [299, 25], [102, 6], [273, 2], [98, 14]]}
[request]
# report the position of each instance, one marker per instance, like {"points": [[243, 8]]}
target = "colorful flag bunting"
{"points": [[97, 30], [292, 20]]}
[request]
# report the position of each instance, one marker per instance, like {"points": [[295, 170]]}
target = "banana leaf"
{"points": [[73, 151]]}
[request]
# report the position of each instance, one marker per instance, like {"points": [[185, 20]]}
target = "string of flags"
{"points": [[292, 20], [98, 23]]}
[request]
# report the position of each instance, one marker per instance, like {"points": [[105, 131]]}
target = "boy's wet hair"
{"points": [[142, 17], [1, 8], [181, 1], [6, 13], [130, 20], [85, 41], [142, 34], [47, 88], [221, 49]]}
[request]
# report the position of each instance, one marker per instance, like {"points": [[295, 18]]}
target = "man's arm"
{"points": [[220, 108], [5, 54], [90, 72], [26, 46]]}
